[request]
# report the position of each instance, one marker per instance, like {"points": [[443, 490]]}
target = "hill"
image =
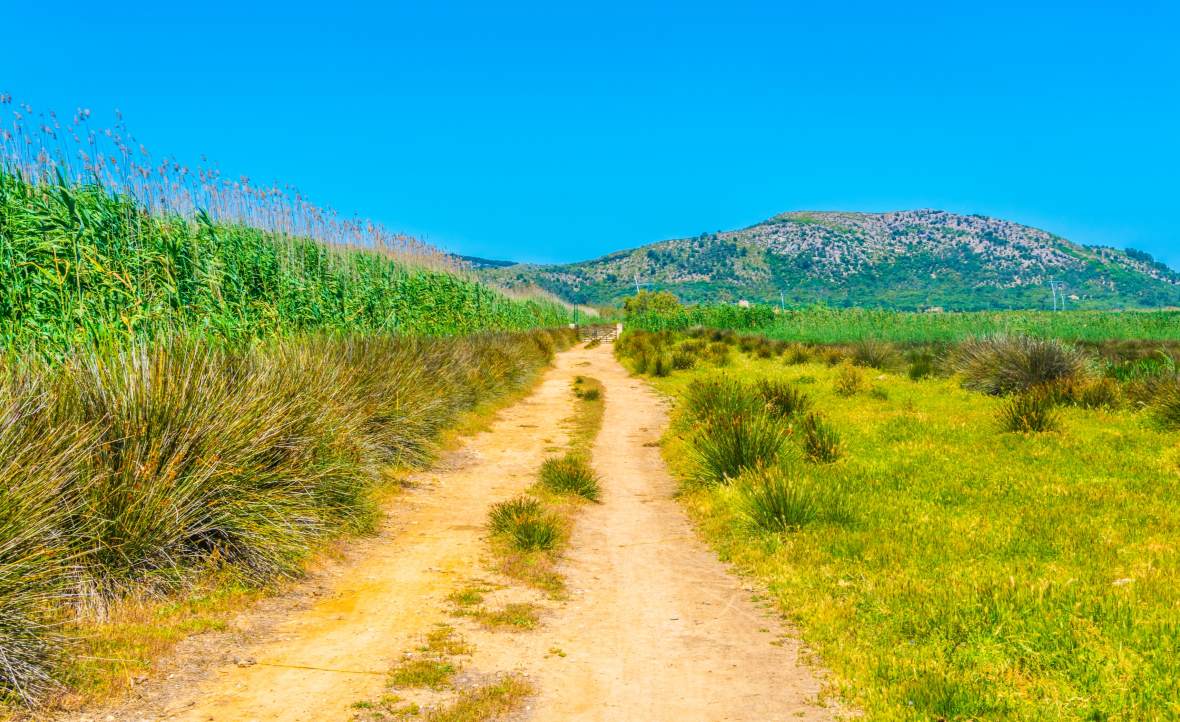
{"points": [[911, 260]]}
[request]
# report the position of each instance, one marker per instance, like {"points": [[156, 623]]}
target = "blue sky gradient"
{"points": [[559, 131]]}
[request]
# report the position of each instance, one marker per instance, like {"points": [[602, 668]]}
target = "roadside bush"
{"points": [[774, 501], [718, 354], [1001, 365], [921, 364], [781, 398], [131, 470], [820, 442], [683, 360], [1029, 412], [570, 474], [727, 445], [849, 380]]}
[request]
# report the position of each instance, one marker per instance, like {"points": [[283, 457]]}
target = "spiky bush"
{"points": [[1029, 412], [727, 445], [716, 396], [1165, 405], [849, 380], [525, 523], [570, 474], [782, 398], [775, 501], [1001, 365], [819, 440], [873, 354], [132, 469], [797, 354]]}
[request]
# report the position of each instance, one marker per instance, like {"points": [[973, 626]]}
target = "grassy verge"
{"points": [[191, 477], [941, 566]]}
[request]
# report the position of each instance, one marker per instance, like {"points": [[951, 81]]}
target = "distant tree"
{"points": [[659, 302]]}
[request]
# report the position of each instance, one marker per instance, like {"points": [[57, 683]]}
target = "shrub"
{"points": [[683, 359], [873, 354], [782, 398], [727, 445], [1000, 365], [797, 354], [772, 500], [715, 396], [718, 354], [590, 395], [921, 364], [1029, 412], [849, 380], [1165, 407], [570, 474], [525, 523], [820, 442]]}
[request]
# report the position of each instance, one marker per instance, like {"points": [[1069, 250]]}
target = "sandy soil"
{"points": [[654, 627]]}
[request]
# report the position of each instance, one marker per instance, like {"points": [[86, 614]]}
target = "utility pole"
{"points": [[1053, 287], [782, 300]]}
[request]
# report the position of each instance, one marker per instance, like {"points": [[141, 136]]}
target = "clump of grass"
{"points": [[424, 673], [526, 523], [590, 394], [683, 360], [873, 354], [782, 398], [1165, 407], [773, 501], [491, 701], [443, 641], [570, 474], [820, 442], [796, 354], [717, 396], [725, 446], [1029, 412], [1001, 365], [922, 364], [849, 380], [518, 615]]}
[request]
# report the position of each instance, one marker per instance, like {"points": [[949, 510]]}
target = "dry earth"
{"points": [[653, 627]]}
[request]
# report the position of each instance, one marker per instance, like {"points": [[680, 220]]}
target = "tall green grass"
{"points": [[81, 266], [135, 470], [834, 326]]}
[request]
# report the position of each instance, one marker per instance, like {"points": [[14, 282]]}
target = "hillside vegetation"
{"points": [[909, 260]]}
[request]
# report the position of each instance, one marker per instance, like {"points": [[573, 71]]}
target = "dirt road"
{"points": [[655, 628]]}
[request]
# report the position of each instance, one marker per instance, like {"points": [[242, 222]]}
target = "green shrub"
{"points": [[922, 364], [1029, 412], [1165, 406], [683, 360], [873, 354], [849, 380], [782, 398], [797, 354], [820, 442], [1006, 364], [727, 445], [716, 396], [570, 474], [774, 501], [526, 523]]}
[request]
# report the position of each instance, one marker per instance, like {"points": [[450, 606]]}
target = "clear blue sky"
{"points": [[557, 131]]}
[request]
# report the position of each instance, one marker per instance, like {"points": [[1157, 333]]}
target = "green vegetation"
{"points": [[525, 523], [943, 568], [824, 325], [140, 470], [80, 266], [570, 474], [904, 260]]}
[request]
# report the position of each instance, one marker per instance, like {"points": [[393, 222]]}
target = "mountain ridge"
{"points": [[911, 259]]}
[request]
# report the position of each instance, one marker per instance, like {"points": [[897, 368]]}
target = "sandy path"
{"points": [[657, 628], [319, 660], [654, 627]]}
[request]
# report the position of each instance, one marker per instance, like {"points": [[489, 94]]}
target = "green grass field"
{"points": [[944, 569], [836, 325]]}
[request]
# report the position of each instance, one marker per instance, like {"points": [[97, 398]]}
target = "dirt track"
{"points": [[655, 628]]}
